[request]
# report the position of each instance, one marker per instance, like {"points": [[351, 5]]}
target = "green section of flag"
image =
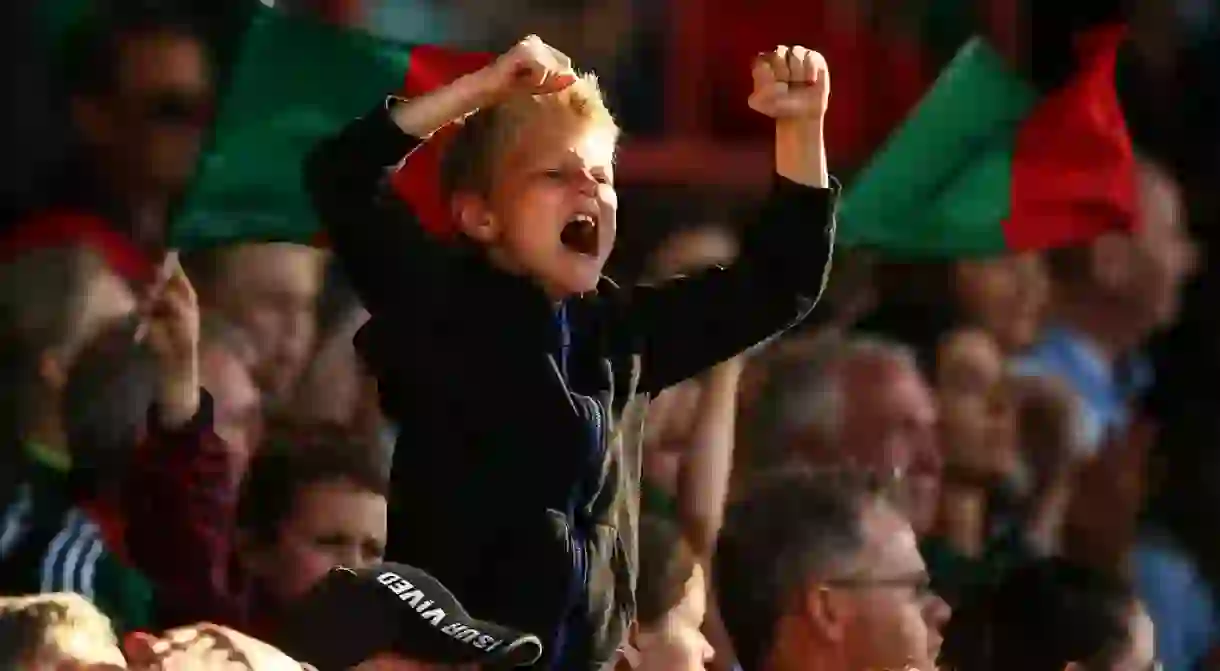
{"points": [[294, 81], [940, 185]]}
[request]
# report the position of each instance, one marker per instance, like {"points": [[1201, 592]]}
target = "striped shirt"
{"points": [[50, 544]]}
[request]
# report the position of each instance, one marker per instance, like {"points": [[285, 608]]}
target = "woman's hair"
{"points": [[111, 386], [1040, 617], [666, 565]]}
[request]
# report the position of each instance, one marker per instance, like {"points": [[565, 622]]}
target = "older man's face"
{"points": [[893, 620], [889, 425]]}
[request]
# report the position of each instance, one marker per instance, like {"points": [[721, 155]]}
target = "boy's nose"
{"points": [[586, 183]]}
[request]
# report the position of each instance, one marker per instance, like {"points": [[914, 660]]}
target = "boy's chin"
{"points": [[576, 281]]}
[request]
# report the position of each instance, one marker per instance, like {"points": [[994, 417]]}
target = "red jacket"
{"points": [[180, 503]]}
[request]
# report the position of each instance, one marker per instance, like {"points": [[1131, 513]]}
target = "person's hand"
{"points": [[171, 328], [530, 67], [205, 647], [791, 83], [1047, 418], [1108, 494]]}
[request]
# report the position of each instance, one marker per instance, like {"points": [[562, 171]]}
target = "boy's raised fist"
{"points": [[791, 83], [531, 67]]}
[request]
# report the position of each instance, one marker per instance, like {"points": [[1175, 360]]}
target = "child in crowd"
{"points": [[672, 602], [308, 505], [312, 498], [516, 374], [270, 291]]}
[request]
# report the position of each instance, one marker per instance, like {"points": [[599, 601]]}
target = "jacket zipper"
{"points": [[577, 535]]}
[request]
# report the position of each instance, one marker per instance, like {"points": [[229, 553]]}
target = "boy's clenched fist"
{"points": [[532, 67], [791, 83]]}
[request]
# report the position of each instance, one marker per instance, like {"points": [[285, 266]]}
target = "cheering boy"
{"points": [[517, 375]]}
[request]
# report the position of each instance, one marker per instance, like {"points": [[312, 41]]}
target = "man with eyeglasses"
{"points": [[139, 95], [816, 570]]}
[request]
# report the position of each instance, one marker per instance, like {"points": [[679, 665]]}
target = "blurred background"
{"points": [[693, 167]]}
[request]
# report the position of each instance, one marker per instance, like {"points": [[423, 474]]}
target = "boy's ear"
{"points": [[474, 218]]}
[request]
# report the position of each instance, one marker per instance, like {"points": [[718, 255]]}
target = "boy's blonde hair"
{"points": [[483, 138], [52, 627]]}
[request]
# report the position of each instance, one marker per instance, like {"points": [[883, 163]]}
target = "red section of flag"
{"points": [[1073, 169], [417, 180], [431, 67], [878, 76], [71, 228]]}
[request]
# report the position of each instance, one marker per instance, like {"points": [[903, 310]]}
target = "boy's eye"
{"points": [[553, 174]]}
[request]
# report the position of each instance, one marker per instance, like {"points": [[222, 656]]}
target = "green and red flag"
{"points": [[987, 164], [294, 81]]}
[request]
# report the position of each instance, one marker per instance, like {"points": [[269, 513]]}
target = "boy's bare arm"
{"points": [[793, 87], [529, 67]]}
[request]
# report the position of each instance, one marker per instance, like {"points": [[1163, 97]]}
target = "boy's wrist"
{"points": [[800, 151], [480, 88], [423, 115], [178, 398], [728, 371]]}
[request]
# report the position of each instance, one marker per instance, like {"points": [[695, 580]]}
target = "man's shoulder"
{"points": [[50, 548], [1040, 359]]}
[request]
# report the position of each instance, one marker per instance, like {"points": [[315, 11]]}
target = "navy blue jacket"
{"points": [[495, 490]]}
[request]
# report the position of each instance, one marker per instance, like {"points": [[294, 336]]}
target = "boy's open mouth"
{"points": [[580, 235]]}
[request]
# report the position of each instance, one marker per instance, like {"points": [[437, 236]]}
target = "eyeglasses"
{"points": [[920, 583]]}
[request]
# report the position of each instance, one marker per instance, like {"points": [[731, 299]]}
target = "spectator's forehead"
{"points": [[888, 380], [560, 141], [163, 61], [280, 268], [890, 547]]}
